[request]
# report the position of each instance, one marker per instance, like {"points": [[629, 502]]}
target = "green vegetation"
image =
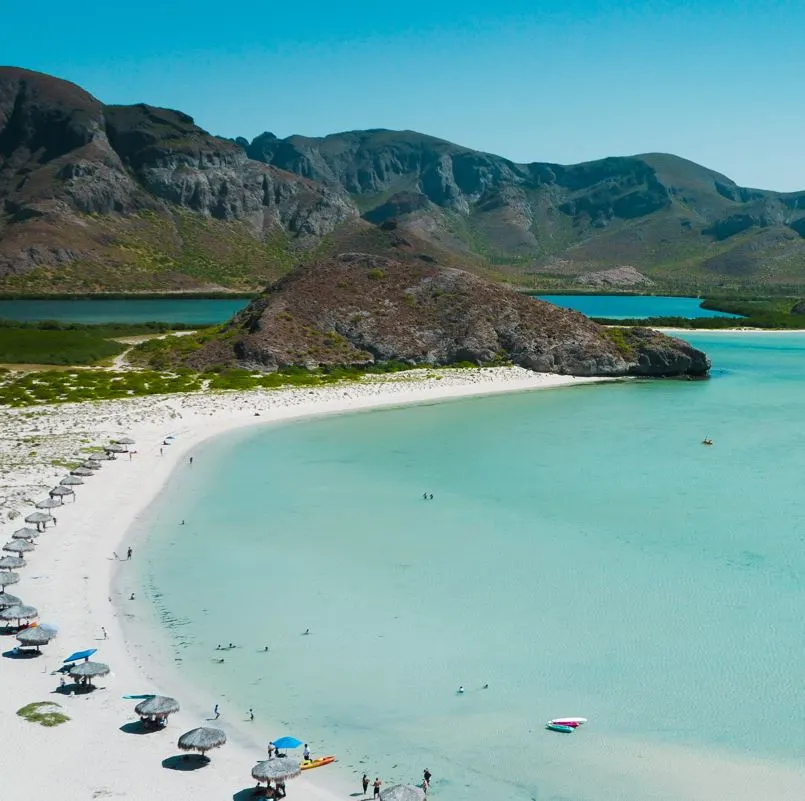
{"points": [[45, 713], [26, 389], [757, 313], [620, 339], [35, 346]]}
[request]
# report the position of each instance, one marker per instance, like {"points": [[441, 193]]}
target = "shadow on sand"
{"points": [[138, 727], [186, 762], [20, 653]]}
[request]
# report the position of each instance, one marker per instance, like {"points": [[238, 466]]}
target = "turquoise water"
{"points": [[584, 554], [164, 310], [633, 306]]}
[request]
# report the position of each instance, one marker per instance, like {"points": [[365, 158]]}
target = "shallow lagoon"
{"points": [[624, 307], [584, 554]]}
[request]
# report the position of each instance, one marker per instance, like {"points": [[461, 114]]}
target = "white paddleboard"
{"points": [[560, 721]]}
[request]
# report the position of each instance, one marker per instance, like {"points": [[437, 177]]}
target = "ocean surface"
{"points": [[194, 311], [583, 555], [623, 307]]}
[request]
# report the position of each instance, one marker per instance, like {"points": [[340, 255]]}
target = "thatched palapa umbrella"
{"points": [[202, 739], [276, 769], [19, 546], [39, 518], [123, 441], [82, 471], [114, 448], [48, 503], [7, 578], [11, 562], [7, 599], [402, 792], [91, 464], [102, 457], [19, 612], [35, 636], [87, 671], [156, 709], [71, 481], [61, 492], [25, 534]]}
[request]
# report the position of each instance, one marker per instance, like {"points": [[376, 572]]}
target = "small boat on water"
{"points": [[570, 721], [307, 764], [561, 728]]}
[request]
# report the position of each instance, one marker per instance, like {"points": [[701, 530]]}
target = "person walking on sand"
{"points": [[129, 552], [105, 635], [216, 712], [365, 783], [376, 788]]}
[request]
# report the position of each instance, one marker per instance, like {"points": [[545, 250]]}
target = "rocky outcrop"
{"points": [[65, 157], [616, 277], [358, 308]]}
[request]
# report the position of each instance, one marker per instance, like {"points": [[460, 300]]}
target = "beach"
{"points": [[77, 578]]}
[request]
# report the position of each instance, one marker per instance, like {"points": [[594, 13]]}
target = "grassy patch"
{"points": [[45, 713], [619, 338], [35, 346]]}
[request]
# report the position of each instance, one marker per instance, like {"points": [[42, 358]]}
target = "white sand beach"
{"points": [[71, 574]]}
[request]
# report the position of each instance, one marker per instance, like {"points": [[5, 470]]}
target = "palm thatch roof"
{"points": [[7, 578], [11, 562], [402, 792], [101, 457], [82, 471], [25, 534], [36, 636], [158, 706], [89, 670], [60, 492], [202, 739], [48, 503], [71, 481], [39, 517], [91, 464], [276, 769], [114, 448], [124, 441], [19, 546], [7, 599], [19, 612]]}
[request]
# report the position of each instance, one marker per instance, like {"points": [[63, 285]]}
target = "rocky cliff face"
{"points": [[66, 158], [660, 213], [357, 308]]}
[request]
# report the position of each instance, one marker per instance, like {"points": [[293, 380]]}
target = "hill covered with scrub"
{"points": [[359, 309], [97, 197]]}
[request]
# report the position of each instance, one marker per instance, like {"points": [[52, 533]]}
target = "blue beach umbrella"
{"points": [[81, 655], [287, 742]]}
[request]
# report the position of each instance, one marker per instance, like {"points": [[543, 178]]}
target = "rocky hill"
{"points": [[358, 308], [677, 222], [96, 197], [137, 197]]}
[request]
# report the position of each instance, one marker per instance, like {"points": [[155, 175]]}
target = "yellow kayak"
{"points": [[317, 763]]}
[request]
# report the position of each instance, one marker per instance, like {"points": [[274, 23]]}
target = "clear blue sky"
{"points": [[717, 82]]}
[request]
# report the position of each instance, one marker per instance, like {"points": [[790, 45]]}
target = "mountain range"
{"points": [[97, 197]]}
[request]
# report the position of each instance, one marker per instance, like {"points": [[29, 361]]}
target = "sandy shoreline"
{"points": [[75, 582]]}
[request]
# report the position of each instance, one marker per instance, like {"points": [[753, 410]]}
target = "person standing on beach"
{"points": [[376, 788], [216, 712], [105, 635], [251, 714], [129, 553], [365, 783]]}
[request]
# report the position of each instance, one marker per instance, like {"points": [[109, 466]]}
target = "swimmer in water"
{"points": [[461, 689], [485, 687], [306, 631]]}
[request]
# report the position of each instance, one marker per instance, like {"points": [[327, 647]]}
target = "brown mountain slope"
{"points": [[357, 308], [116, 197]]}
